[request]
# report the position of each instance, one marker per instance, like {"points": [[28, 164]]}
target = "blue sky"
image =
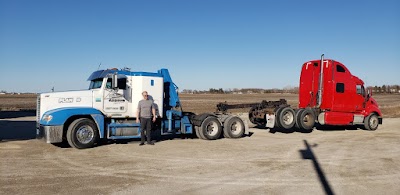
{"points": [[204, 43]]}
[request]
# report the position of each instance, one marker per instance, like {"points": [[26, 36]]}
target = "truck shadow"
{"points": [[17, 130], [317, 127], [16, 114], [308, 154], [336, 128], [287, 131]]}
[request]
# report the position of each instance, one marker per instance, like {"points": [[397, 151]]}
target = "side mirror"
{"points": [[369, 93], [114, 82]]}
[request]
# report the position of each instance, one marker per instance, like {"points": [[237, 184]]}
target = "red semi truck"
{"points": [[328, 95]]}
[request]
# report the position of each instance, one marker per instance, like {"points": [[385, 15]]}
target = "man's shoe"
{"points": [[141, 144], [151, 143]]}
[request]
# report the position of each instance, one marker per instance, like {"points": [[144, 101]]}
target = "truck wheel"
{"points": [[277, 114], [371, 122], [210, 128], [307, 119], [234, 127], [226, 135], [297, 117], [286, 117], [198, 134], [82, 133]]}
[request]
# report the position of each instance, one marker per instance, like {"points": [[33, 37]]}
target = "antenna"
{"points": [[99, 66]]}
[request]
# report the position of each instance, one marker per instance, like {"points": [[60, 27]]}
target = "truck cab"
{"points": [[335, 96], [107, 110]]}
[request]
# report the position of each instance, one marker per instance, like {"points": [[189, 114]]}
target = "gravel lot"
{"points": [[266, 162]]}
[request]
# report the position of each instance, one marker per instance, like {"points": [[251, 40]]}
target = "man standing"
{"points": [[146, 114]]}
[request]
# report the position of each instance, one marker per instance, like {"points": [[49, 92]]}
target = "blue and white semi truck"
{"points": [[107, 110]]}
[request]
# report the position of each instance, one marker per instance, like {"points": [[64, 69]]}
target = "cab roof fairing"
{"points": [[105, 73]]}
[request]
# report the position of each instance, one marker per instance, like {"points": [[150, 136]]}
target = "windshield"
{"points": [[95, 84]]}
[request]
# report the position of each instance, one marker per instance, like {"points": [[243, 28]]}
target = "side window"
{"points": [[108, 84], [358, 87], [340, 68], [360, 90], [122, 83], [340, 87]]}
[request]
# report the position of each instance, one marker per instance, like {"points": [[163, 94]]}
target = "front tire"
{"points": [[371, 122], [82, 133]]}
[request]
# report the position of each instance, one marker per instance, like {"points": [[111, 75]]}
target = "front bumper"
{"points": [[50, 134]]}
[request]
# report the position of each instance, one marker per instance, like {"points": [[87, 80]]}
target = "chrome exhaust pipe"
{"points": [[321, 79]]}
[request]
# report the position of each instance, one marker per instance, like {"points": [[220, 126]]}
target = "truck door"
{"points": [[359, 98], [115, 102]]}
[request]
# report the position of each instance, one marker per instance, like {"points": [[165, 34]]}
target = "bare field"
{"points": [[199, 103], [17, 102]]}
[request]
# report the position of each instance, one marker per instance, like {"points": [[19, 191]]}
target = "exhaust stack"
{"points": [[320, 84]]}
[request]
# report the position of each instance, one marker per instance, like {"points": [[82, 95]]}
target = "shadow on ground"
{"points": [[17, 130], [16, 114], [308, 154]]}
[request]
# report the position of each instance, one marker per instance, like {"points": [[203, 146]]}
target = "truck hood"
{"points": [[55, 100]]}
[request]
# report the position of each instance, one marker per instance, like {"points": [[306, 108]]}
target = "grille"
{"points": [[38, 109]]}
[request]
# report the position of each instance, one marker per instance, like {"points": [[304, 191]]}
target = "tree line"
{"points": [[289, 89], [386, 89], [241, 91]]}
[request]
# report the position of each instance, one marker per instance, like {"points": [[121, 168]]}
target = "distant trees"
{"points": [[288, 89], [386, 89]]}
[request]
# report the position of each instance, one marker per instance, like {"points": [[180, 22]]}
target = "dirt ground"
{"points": [[264, 162]]}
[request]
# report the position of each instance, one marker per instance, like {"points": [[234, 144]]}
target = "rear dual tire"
{"points": [[234, 127], [286, 117], [210, 129], [305, 119]]}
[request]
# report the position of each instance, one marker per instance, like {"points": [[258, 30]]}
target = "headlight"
{"points": [[47, 117]]}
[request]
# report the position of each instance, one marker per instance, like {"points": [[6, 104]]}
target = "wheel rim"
{"points": [[373, 122], [288, 118], [236, 127], [212, 128], [85, 134], [307, 120]]}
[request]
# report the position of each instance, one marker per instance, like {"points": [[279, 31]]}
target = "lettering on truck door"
{"points": [[114, 99]]}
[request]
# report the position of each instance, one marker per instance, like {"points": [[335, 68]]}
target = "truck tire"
{"points": [[82, 133], [225, 133], [286, 118], [234, 127], [210, 128], [277, 120], [371, 122], [297, 118], [198, 134], [306, 119]]}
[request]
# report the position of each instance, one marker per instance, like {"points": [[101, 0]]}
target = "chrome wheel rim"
{"points": [[85, 134]]}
